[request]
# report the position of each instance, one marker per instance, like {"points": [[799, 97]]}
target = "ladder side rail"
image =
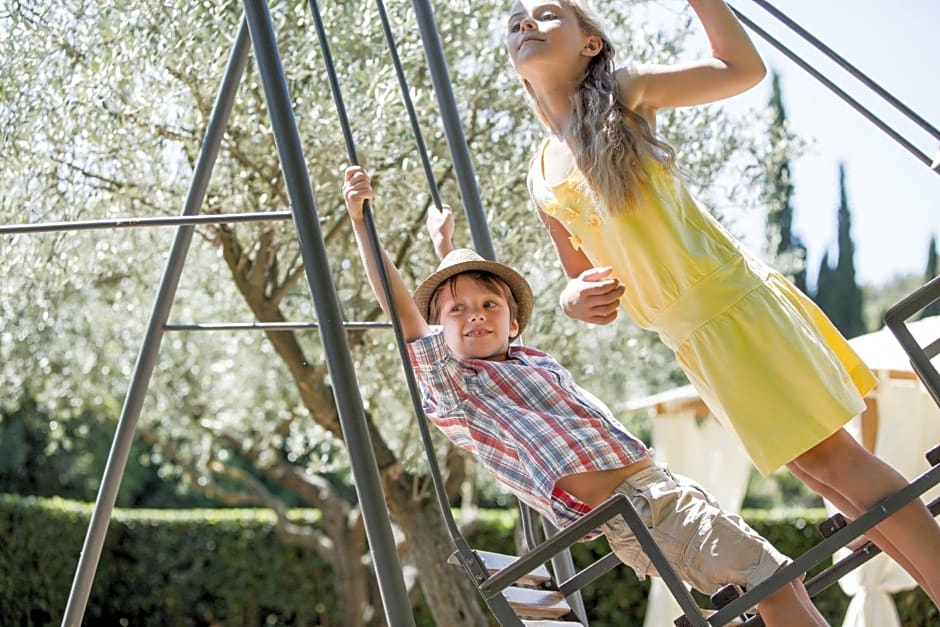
{"points": [[346, 391], [564, 570], [614, 506], [831, 575], [827, 547], [920, 358], [146, 360]]}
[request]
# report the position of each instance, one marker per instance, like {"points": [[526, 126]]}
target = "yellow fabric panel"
{"points": [[766, 360]]}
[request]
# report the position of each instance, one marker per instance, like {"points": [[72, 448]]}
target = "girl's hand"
{"points": [[440, 226], [594, 296], [357, 188]]}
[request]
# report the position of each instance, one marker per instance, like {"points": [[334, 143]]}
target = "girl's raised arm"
{"points": [[733, 67]]}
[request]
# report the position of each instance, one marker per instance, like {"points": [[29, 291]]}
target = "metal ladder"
{"points": [[837, 530]]}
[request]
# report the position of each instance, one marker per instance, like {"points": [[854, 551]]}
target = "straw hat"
{"points": [[465, 260]]}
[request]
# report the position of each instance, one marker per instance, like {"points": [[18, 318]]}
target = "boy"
{"points": [[555, 446]]}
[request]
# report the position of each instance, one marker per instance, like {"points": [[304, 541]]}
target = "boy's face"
{"points": [[476, 319]]}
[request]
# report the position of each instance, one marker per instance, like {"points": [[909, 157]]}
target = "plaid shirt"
{"points": [[525, 419]]}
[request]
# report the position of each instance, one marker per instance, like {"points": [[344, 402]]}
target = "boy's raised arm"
{"points": [[440, 224], [357, 188]]}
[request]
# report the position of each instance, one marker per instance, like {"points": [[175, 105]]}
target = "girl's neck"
{"points": [[554, 100]]}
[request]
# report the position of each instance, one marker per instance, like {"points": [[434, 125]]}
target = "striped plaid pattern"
{"points": [[525, 419]]}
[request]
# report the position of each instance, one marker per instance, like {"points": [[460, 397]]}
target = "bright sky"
{"points": [[894, 198]]}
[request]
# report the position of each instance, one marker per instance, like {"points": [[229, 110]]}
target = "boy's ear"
{"points": [[593, 44], [513, 328]]}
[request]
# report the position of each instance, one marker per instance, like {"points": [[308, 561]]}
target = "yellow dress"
{"points": [[766, 360]]}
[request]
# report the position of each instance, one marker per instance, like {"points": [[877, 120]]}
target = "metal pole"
{"points": [[342, 374], [469, 190], [125, 223], [459, 152], [841, 93], [140, 379], [563, 567]]}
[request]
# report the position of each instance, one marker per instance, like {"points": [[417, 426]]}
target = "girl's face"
{"points": [[477, 320], [545, 36]]}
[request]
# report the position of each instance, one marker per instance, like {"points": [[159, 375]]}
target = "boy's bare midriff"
{"points": [[594, 487]]}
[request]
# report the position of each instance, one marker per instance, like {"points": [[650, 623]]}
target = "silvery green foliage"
{"points": [[102, 116]]}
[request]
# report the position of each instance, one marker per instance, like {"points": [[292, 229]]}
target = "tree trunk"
{"points": [[447, 589]]}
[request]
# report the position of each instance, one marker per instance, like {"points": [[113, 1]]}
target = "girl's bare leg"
{"points": [[844, 472], [851, 512], [790, 606]]}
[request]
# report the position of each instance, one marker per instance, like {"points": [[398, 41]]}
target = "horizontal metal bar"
{"points": [[269, 326], [590, 574], [565, 538], [123, 223]]}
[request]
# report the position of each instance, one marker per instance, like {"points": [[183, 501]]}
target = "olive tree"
{"points": [[103, 111]]}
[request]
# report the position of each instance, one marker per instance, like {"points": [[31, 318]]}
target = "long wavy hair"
{"points": [[614, 142]]}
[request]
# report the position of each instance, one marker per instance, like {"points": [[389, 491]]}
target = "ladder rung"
{"points": [[532, 603], [496, 562]]}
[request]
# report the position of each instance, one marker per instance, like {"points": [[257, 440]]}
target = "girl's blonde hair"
{"points": [[614, 142]]}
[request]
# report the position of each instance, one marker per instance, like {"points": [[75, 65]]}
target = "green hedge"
{"points": [[158, 567], [226, 567]]}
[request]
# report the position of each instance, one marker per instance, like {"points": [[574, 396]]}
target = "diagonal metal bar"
{"points": [[617, 505], [146, 359], [920, 358], [827, 547], [851, 69], [453, 129], [409, 105], [841, 93], [831, 575], [346, 392]]}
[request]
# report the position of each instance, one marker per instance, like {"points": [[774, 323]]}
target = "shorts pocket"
{"points": [[650, 507]]}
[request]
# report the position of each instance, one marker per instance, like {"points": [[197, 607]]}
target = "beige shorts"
{"points": [[707, 546]]}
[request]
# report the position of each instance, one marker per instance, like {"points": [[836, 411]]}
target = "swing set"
{"points": [[518, 590]]}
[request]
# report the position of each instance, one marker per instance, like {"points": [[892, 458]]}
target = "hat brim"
{"points": [[521, 291]]}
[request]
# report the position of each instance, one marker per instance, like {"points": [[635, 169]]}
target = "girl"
{"points": [[765, 359]]}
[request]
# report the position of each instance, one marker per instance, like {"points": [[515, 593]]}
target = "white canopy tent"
{"points": [[900, 423]]}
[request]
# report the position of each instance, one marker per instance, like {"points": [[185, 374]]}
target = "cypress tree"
{"points": [[837, 292], [825, 296], [932, 269], [783, 247]]}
